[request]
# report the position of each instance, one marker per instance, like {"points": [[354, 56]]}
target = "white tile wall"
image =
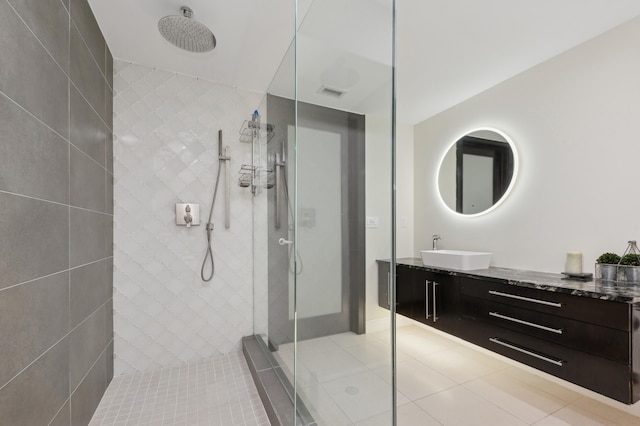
{"points": [[165, 151]]}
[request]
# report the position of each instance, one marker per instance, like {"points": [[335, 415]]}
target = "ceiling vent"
{"points": [[329, 91]]}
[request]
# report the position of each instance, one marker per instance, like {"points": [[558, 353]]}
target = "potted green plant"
{"points": [[630, 270], [607, 266]]}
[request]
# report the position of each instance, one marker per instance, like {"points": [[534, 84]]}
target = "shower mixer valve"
{"points": [[187, 217], [187, 214]]}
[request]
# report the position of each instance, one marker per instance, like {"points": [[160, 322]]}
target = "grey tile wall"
{"points": [[88, 132], [29, 75], [34, 316], [56, 213], [36, 394], [29, 142], [86, 75]]}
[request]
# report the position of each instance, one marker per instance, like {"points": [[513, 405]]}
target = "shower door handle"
{"points": [[282, 241], [279, 166], [278, 190]]}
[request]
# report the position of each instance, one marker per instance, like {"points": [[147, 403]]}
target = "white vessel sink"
{"points": [[456, 259]]}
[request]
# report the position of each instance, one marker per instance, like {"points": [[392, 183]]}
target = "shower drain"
{"points": [[352, 390]]}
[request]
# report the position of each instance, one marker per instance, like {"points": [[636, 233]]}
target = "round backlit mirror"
{"points": [[477, 172]]}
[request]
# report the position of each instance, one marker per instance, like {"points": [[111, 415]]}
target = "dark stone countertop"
{"points": [[594, 288]]}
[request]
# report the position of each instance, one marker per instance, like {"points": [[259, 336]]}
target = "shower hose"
{"points": [[209, 254]]}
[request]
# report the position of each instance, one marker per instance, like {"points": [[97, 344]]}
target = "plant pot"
{"points": [[630, 274], [607, 272]]}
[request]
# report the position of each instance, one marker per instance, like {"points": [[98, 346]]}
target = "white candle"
{"points": [[574, 262]]}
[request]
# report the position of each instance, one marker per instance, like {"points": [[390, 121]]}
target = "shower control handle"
{"points": [[282, 241]]}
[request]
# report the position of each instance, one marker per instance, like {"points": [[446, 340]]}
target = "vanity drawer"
{"points": [[601, 375], [601, 312], [609, 343]]}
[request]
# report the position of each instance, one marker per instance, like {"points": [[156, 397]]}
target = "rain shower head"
{"points": [[187, 33]]}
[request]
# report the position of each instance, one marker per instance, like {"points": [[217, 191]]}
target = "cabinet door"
{"points": [[421, 291], [447, 312], [438, 299], [404, 291]]}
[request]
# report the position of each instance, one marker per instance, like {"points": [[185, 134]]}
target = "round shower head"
{"points": [[187, 33]]}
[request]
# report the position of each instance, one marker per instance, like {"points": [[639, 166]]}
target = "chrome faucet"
{"points": [[436, 237]]}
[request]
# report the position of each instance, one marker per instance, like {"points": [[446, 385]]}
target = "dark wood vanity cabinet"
{"points": [[581, 339]]}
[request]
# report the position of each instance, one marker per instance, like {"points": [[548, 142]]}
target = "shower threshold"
{"points": [[274, 388]]}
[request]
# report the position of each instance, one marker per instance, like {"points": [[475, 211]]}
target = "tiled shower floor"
{"points": [[216, 391]]}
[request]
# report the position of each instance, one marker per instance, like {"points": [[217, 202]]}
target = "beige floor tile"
{"points": [[318, 345], [322, 407], [461, 407], [375, 354], [320, 366], [606, 411], [477, 355], [422, 342], [331, 365], [543, 384], [524, 401], [409, 329], [362, 395], [415, 380], [574, 416], [456, 366], [408, 415], [349, 339]]}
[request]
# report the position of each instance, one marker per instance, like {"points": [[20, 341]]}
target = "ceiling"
{"points": [[447, 50]]}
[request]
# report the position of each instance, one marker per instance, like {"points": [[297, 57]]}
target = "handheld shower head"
{"points": [[186, 33]]}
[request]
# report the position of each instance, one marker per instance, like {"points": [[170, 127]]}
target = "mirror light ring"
{"points": [[516, 166]]}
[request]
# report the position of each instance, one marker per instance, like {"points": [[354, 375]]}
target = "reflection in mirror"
{"points": [[477, 172]]}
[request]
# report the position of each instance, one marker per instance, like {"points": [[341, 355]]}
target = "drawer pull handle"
{"points": [[524, 351], [435, 314], [526, 299], [530, 324]]}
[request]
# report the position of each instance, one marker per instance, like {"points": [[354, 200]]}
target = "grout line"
{"points": [[55, 273], [54, 202], [60, 409], [32, 280], [35, 117], [104, 166], [92, 365]]}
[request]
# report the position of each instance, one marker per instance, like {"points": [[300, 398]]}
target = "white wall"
{"points": [[378, 201], [165, 151], [575, 122]]}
